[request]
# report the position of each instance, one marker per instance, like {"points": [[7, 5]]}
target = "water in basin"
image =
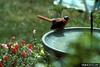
{"points": [[61, 41]]}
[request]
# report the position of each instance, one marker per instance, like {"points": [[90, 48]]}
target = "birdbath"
{"points": [[57, 42]]}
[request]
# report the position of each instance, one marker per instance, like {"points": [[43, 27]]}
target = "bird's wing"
{"points": [[60, 20]]}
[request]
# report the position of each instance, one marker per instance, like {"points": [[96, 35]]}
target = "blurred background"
{"points": [[19, 17]]}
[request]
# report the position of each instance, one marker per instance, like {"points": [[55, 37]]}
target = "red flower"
{"points": [[5, 58], [16, 47], [1, 64], [30, 46], [14, 50], [23, 54]]}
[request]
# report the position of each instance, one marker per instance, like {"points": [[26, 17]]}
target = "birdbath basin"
{"points": [[58, 41]]}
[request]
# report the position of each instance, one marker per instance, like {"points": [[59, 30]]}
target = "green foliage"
{"points": [[97, 19], [85, 50], [58, 8]]}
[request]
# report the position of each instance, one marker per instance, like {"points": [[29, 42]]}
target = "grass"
{"points": [[19, 17]]}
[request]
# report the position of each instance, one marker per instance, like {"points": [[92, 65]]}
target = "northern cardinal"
{"points": [[57, 23]]}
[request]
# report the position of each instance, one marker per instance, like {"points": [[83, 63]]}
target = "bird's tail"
{"points": [[44, 18]]}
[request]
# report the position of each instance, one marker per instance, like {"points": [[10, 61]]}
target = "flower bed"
{"points": [[20, 54]]}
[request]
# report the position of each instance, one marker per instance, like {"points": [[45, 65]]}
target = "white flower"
{"points": [[34, 31], [4, 46], [15, 43]]}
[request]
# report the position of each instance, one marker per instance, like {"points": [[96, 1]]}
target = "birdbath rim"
{"points": [[68, 28]]}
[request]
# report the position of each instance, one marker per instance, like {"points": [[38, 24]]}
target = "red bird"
{"points": [[57, 23]]}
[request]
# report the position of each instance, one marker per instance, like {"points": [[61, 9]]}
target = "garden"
{"points": [[21, 33]]}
